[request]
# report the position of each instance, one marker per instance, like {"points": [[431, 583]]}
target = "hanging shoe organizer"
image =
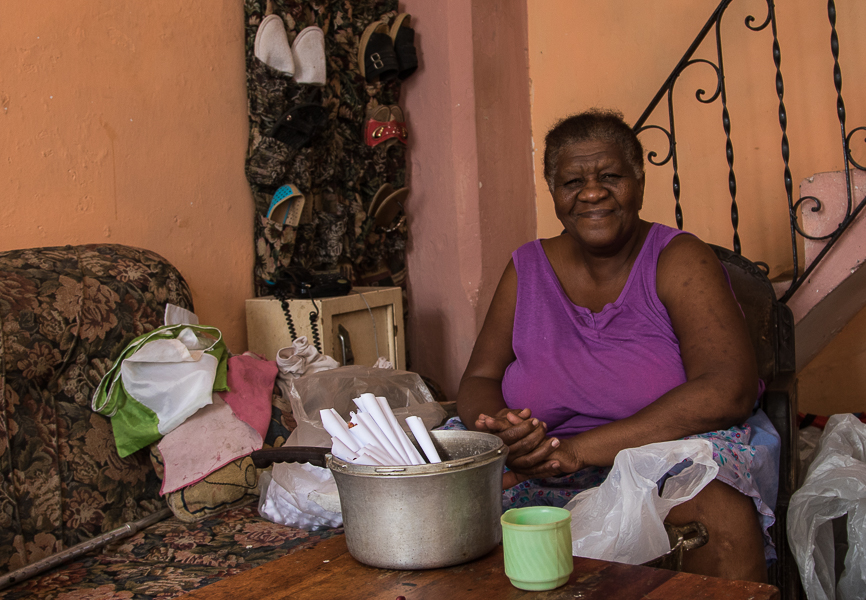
{"points": [[309, 130]]}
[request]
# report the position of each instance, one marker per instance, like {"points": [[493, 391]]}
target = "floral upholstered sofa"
{"points": [[65, 314]]}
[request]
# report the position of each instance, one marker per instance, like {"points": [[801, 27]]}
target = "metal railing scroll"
{"points": [[666, 93]]}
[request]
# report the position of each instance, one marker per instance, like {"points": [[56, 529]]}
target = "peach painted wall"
{"points": [[127, 123], [585, 53], [472, 199]]}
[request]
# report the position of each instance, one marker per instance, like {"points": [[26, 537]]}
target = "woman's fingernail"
{"points": [[555, 443], [535, 422]]}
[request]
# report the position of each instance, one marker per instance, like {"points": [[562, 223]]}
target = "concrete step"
{"points": [[836, 290]]}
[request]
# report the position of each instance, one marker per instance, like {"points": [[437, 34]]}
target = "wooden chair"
{"points": [[771, 327]]}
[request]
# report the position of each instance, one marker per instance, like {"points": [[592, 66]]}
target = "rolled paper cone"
{"points": [[420, 433], [335, 426], [364, 436], [367, 397], [358, 403], [408, 448], [381, 439], [371, 406], [341, 451], [378, 455], [368, 460]]}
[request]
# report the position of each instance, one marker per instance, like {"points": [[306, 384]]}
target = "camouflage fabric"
{"points": [[338, 173]]}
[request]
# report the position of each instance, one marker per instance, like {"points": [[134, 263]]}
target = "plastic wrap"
{"points": [[336, 388], [835, 485], [622, 520]]}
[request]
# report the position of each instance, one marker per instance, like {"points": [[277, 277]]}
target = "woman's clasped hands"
{"points": [[531, 453]]}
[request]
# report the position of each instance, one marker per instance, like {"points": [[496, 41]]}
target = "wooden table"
{"points": [[328, 572]]}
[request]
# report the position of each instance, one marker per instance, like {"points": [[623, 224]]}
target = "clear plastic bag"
{"points": [[336, 388], [835, 485], [300, 495], [622, 520]]}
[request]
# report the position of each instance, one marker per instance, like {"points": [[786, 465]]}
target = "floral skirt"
{"points": [[747, 455]]}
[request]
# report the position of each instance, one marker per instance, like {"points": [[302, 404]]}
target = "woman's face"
{"points": [[597, 195]]}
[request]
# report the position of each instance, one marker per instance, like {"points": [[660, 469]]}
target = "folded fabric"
{"points": [[302, 358], [251, 386], [160, 379], [210, 439], [299, 359]]}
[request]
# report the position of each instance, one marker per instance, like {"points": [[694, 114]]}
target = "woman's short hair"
{"points": [[595, 124]]}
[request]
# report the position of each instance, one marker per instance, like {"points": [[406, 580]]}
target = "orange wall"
{"points": [[126, 123], [585, 53]]}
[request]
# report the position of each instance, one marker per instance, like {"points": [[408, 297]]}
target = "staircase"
{"points": [[825, 287], [835, 291]]}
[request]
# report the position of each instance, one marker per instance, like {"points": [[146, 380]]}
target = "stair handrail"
{"points": [[666, 90]]}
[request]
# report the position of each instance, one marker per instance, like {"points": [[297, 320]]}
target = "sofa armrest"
{"points": [[780, 404]]}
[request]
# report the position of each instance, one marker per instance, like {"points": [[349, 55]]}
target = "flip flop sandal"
{"points": [[376, 56], [272, 45], [382, 193], [299, 125], [382, 129], [403, 38], [400, 122], [390, 207], [286, 206], [308, 50]]}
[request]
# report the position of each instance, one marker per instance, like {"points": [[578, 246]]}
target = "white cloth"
{"points": [[173, 378]]}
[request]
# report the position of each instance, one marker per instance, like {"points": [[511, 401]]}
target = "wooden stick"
{"points": [[63, 556]]}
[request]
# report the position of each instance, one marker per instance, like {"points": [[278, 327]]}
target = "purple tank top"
{"points": [[577, 369]]}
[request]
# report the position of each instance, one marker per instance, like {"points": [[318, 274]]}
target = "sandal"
{"points": [[386, 204], [382, 128], [376, 56], [299, 125], [403, 38], [286, 206], [272, 45], [308, 50]]}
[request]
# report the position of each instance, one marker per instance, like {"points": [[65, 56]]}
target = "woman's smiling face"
{"points": [[597, 195]]}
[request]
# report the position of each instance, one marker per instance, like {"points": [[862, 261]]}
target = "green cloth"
{"points": [[135, 425]]}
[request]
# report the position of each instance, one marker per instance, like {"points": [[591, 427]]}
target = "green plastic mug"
{"points": [[536, 542]]}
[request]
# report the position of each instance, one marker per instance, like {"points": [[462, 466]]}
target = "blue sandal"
{"points": [[286, 206]]}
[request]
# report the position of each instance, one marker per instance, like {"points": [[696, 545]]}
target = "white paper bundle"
{"points": [[420, 433], [335, 425], [408, 448], [375, 436]]}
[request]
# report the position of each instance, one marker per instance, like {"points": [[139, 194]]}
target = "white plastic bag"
{"points": [[300, 495], [622, 519], [835, 484], [406, 393]]}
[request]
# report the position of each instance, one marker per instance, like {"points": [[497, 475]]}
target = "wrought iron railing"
{"points": [[666, 92]]}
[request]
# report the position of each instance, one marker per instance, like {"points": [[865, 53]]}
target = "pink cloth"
{"points": [[210, 439], [251, 385]]}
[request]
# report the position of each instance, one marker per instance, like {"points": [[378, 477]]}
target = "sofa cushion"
{"points": [[65, 314]]}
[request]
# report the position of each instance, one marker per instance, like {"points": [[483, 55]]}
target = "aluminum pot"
{"points": [[425, 516]]}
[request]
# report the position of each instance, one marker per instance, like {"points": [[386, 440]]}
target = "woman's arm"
{"points": [[480, 403], [720, 366]]}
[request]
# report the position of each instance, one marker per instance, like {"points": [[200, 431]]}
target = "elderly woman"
{"points": [[615, 334]]}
